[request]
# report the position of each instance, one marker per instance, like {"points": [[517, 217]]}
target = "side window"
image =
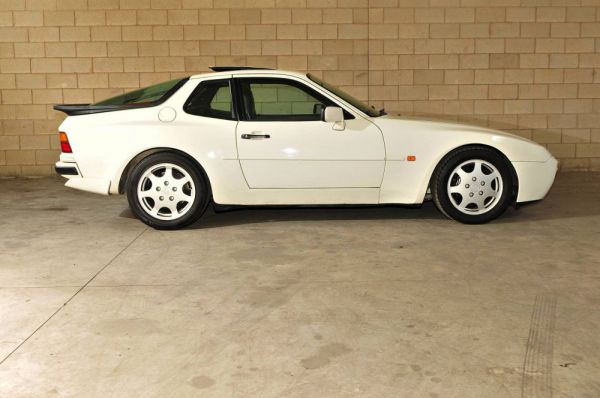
{"points": [[271, 99], [212, 98]]}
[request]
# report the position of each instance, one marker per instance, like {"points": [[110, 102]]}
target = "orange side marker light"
{"points": [[411, 158]]}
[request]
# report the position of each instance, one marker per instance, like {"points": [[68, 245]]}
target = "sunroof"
{"points": [[231, 68]]}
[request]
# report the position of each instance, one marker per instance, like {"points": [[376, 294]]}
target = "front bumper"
{"points": [[535, 179]]}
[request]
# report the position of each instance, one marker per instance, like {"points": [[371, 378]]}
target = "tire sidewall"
{"points": [[445, 171], [201, 193]]}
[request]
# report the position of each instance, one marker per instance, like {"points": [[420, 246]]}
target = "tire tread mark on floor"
{"points": [[74, 295], [537, 365]]}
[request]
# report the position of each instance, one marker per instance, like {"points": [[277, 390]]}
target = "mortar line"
{"points": [[368, 53], [73, 296]]}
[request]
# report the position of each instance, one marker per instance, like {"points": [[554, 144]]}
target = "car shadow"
{"points": [[573, 195], [269, 214]]}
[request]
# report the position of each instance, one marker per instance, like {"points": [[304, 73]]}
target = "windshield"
{"points": [[369, 110], [143, 95]]}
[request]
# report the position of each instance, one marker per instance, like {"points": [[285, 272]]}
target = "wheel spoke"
{"points": [[460, 189], [168, 173], [172, 206], [479, 201], [464, 176], [485, 199], [490, 180], [154, 180], [154, 211], [186, 195], [464, 205], [151, 193], [494, 174], [477, 168], [180, 183], [178, 192]]}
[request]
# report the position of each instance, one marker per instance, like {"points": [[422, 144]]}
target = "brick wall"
{"points": [[527, 66]]}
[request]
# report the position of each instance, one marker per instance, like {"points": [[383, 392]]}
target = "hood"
{"points": [[444, 125], [414, 133]]}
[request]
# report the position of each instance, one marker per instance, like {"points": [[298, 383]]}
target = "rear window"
{"points": [[147, 95]]}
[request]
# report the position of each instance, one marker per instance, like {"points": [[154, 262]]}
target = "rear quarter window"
{"points": [[146, 96], [212, 98]]}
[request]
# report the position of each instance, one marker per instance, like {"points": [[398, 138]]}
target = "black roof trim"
{"points": [[232, 68]]}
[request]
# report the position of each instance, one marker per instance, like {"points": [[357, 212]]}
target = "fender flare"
{"points": [[491, 148], [142, 155]]}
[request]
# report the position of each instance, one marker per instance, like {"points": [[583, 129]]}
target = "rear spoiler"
{"points": [[87, 109]]}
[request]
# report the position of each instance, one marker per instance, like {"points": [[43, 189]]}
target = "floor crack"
{"points": [[537, 366], [74, 295]]}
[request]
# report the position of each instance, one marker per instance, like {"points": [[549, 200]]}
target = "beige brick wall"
{"points": [[527, 66]]}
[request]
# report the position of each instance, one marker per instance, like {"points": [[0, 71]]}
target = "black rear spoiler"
{"points": [[87, 109]]}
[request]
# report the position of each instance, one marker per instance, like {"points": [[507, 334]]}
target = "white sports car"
{"points": [[251, 136]]}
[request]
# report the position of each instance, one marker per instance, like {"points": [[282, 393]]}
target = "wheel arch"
{"points": [[144, 154], [451, 152]]}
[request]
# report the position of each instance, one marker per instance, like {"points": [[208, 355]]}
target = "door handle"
{"points": [[255, 135]]}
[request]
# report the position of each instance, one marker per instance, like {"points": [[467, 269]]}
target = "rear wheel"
{"points": [[166, 191], [473, 185]]}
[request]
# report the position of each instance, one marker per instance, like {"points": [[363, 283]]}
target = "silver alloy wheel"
{"points": [[475, 187], [166, 191]]}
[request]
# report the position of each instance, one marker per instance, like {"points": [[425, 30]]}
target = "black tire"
{"points": [[445, 170], [201, 196]]}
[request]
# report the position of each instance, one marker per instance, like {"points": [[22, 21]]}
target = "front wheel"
{"points": [[473, 185], [166, 191]]}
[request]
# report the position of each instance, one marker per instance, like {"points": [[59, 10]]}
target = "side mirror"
{"points": [[335, 115]]}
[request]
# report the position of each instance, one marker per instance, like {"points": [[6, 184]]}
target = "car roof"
{"points": [[242, 71]]}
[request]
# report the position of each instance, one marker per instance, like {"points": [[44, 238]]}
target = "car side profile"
{"points": [[250, 136]]}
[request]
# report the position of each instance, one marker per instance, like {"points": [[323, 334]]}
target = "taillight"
{"points": [[64, 143]]}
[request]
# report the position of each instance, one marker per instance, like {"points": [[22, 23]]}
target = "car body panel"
{"points": [[429, 141], [535, 179], [302, 162], [311, 154]]}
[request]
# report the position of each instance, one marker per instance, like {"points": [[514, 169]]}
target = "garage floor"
{"points": [[374, 302]]}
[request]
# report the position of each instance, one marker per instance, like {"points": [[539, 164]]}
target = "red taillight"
{"points": [[64, 143]]}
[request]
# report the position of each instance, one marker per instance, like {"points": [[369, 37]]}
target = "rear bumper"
{"points": [[535, 179], [94, 185], [75, 180], [66, 170]]}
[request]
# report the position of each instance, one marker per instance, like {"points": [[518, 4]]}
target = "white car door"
{"points": [[283, 143]]}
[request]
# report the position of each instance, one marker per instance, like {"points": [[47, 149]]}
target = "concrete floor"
{"points": [[375, 302]]}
